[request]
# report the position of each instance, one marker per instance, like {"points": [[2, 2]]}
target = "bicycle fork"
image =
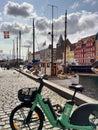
{"points": [[27, 121]]}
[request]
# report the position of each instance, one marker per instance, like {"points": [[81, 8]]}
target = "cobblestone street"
{"points": [[10, 82]]}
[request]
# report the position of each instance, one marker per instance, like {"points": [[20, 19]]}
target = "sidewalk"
{"points": [[10, 82]]}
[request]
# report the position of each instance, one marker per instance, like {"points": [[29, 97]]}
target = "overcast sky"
{"points": [[15, 15]]}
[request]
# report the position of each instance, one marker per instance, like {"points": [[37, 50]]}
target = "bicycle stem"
{"points": [[41, 85], [73, 97]]}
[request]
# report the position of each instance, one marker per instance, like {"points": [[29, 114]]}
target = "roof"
{"points": [[85, 38], [96, 36]]}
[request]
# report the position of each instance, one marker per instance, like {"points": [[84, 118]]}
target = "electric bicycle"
{"points": [[30, 114]]}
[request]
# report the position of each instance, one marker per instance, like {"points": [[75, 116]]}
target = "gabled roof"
{"points": [[72, 48], [85, 38], [67, 42], [60, 41]]}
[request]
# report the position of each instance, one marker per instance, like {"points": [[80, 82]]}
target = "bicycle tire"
{"points": [[19, 114]]}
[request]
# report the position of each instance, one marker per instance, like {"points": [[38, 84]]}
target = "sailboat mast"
{"points": [[33, 40]]}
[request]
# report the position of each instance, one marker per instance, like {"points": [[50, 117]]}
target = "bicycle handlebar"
{"points": [[40, 79]]}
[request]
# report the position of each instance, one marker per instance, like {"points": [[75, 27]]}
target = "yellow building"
{"points": [[70, 53]]}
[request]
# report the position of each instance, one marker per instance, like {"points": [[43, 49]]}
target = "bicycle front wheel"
{"points": [[18, 118]]}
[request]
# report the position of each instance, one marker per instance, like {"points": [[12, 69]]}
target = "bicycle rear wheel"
{"points": [[18, 118]]}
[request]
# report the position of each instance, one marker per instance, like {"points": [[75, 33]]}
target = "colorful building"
{"points": [[85, 50], [60, 48]]}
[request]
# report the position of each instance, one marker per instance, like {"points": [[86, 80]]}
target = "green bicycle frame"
{"points": [[63, 120], [65, 116]]}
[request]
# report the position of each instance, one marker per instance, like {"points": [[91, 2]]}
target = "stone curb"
{"points": [[64, 92]]}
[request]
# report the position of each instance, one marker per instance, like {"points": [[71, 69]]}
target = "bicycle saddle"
{"points": [[77, 88]]}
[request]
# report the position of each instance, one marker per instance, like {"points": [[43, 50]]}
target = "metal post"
{"points": [[33, 40], [13, 50], [17, 48], [52, 37], [19, 44], [65, 36]]}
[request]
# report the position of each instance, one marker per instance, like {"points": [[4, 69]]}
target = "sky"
{"points": [[15, 15]]}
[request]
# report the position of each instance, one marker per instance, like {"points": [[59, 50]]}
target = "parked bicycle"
{"points": [[30, 114]]}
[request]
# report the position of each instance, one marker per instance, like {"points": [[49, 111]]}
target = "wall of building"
{"points": [[69, 55], [96, 50], [30, 57], [85, 50]]}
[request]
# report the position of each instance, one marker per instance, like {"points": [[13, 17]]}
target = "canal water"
{"points": [[90, 84]]}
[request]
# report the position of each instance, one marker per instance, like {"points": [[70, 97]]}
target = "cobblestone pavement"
{"points": [[10, 82]]}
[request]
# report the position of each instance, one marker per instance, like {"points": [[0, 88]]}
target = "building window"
{"points": [[94, 43], [48, 65], [83, 45], [43, 65]]}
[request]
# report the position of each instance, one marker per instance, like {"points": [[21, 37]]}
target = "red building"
{"points": [[85, 50]]}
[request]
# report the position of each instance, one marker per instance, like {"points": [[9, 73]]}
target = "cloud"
{"points": [[88, 21], [76, 23], [14, 27], [0, 16], [16, 9], [43, 25], [27, 44], [75, 5], [82, 21], [44, 28], [92, 2], [82, 24]]}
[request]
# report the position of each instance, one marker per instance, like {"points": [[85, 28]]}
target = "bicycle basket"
{"points": [[27, 94]]}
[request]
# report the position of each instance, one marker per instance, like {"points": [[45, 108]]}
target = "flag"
{"points": [[44, 44], [6, 34]]}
